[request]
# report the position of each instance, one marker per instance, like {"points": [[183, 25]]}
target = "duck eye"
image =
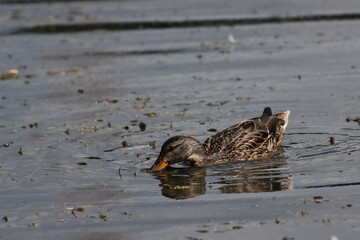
{"points": [[172, 147]]}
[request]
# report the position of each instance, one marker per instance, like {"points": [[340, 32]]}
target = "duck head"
{"points": [[179, 149]]}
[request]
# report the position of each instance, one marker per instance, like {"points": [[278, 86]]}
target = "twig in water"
{"points": [[119, 172]]}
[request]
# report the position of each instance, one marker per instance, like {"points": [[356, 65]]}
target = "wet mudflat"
{"points": [[102, 84]]}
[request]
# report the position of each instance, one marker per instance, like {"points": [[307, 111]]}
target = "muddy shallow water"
{"points": [[91, 108]]}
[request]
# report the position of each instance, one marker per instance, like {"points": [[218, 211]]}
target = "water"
{"points": [[76, 108]]}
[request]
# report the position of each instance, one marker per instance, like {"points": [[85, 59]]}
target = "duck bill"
{"points": [[159, 164]]}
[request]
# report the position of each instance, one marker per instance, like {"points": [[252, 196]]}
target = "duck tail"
{"points": [[267, 111], [284, 116]]}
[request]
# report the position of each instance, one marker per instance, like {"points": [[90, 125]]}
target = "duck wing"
{"points": [[250, 138]]}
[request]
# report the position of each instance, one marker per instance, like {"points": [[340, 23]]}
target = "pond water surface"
{"points": [[94, 102]]}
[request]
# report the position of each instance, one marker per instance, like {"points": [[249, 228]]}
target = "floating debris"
{"points": [[304, 213], [110, 150], [124, 144], [67, 131], [103, 217], [93, 158], [5, 145], [62, 72], [21, 151], [212, 130], [119, 172], [232, 40], [77, 209], [356, 119], [332, 140], [81, 91], [185, 112], [88, 129], [218, 103], [33, 225], [82, 163], [236, 227], [10, 74], [288, 238], [318, 199], [277, 221], [145, 103], [151, 114], [142, 126], [152, 144], [112, 100], [5, 218], [242, 98], [35, 125]]}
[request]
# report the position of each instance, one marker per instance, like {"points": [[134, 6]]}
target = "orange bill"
{"points": [[159, 164]]}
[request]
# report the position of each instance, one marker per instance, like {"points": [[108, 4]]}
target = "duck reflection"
{"points": [[264, 177], [183, 183]]}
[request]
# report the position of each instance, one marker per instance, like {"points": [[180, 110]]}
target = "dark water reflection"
{"points": [[183, 183], [141, 25]]}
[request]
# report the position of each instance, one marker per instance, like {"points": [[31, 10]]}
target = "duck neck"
{"points": [[201, 157], [193, 152]]}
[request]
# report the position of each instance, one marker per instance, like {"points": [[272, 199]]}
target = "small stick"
{"points": [[110, 150], [119, 172]]}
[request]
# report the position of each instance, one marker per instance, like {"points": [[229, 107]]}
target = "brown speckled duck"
{"points": [[251, 139]]}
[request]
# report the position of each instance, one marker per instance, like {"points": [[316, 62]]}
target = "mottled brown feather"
{"points": [[250, 139], [247, 140]]}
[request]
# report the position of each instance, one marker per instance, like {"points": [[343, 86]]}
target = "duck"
{"points": [[251, 139]]}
